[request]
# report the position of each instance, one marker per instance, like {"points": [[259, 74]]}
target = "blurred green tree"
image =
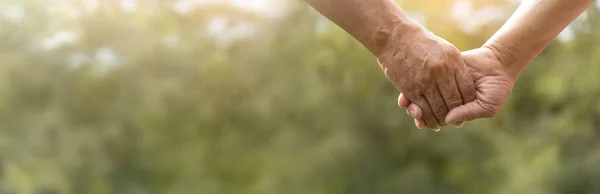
{"points": [[164, 97]]}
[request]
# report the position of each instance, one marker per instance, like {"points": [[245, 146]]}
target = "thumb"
{"points": [[469, 111]]}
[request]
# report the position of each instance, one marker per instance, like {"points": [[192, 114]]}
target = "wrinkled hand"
{"points": [[430, 72], [493, 83]]}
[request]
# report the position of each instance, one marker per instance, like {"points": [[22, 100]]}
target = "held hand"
{"points": [[493, 83], [430, 72]]}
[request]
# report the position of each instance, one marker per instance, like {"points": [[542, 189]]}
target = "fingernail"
{"points": [[436, 130], [459, 124], [417, 124], [408, 113]]}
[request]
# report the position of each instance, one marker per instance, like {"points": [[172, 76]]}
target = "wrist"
{"points": [[506, 55], [386, 37]]}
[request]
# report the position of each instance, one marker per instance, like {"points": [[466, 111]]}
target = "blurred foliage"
{"points": [[124, 97]]}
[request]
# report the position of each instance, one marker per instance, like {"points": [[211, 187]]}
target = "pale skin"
{"points": [[426, 68], [496, 66]]}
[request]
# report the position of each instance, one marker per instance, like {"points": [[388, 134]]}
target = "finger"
{"points": [[428, 117], [469, 111], [438, 106], [403, 101], [465, 84], [414, 111], [419, 123], [450, 92]]}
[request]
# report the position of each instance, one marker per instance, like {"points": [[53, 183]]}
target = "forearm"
{"points": [[374, 23], [531, 28]]}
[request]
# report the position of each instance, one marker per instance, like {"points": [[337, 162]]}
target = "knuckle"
{"points": [[435, 63], [489, 110], [469, 86], [453, 53], [451, 50], [441, 70], [440, 111], [454, 101], [469, 114], [412, 96], [452, 96]]}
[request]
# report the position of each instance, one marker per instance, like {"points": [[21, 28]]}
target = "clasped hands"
{"points": [[439, 84]]}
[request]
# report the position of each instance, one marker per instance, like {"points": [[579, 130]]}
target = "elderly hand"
{"points": [[493, 82], [430, 72]]}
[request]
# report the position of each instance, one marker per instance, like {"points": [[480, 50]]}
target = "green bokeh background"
{"points": [[103, 98]]}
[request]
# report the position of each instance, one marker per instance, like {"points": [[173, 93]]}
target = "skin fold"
{"points": [[496, 66], [427, 69]]}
